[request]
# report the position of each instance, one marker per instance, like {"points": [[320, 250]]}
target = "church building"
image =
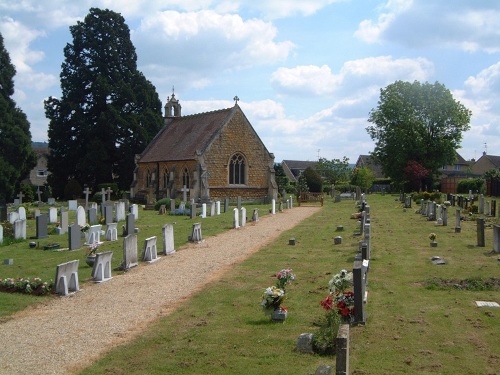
{"points": [[204, 156]]}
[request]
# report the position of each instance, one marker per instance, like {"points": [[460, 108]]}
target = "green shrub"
{"points": [[474, 184], [165, 201]]}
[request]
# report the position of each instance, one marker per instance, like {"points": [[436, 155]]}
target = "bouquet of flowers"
{"points": [[340, 281], [272, 299], [285, 277]]}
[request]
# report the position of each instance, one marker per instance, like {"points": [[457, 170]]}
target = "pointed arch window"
{"points": [[149, 178], [237, 170], [185, 178], [166, 178]]}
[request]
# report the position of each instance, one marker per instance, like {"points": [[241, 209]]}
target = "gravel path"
{"points": [[57, 337]]}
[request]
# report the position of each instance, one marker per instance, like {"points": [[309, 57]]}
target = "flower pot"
{"points": [[434, 244], [90, 260], [279, 315], [32, 245]]}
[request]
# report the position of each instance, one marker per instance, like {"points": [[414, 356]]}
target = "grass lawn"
{"points": [[411, 327]]}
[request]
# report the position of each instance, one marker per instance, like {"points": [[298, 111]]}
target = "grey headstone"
{"points": [[108, 213], [130, 258], [226, 205], [42, 226], [305, 343], [168, 239], [193, 210], [130, 224], [72, 205], [92, 214], [1, 234], [64, 222], [67, 278], [74, 237]]}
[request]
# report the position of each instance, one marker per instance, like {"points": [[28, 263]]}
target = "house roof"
{"points": [[367, 161], [495, 160], [293, 168], [182, 137]]}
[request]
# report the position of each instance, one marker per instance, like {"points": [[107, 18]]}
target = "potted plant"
{"points": [[272, 299], [433, 237], [91, 253]]}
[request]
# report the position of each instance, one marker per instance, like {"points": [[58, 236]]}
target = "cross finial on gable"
{"points": [[236, 99]]}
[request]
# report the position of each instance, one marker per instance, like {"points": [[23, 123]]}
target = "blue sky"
{"points": [[307, 72]]}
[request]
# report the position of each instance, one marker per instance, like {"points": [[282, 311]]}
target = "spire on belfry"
{"points": [[173, 107]]}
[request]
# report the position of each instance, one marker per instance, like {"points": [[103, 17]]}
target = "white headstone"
{"points": [[13, 216], [111, 232], [21, 211], [81, 218], [102, 267], [20, 229], [236, 218], [217, 208], [134, 209], [273, 206], [168, 239], [1, 234], [94, 235], [243, 216], [120, 211], [52, 215], [150, 254], [72, 205], [204, 210]]}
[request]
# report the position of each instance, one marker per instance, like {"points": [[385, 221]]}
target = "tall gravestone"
{"points": [[130, 258], [458, 229], [52, 215], [74, 237], [108, 214], [134, 209], [21, 211], [203, 210], [496, 238], [168, 239], [193, 210], [480, 232], [130, 224], [92, 215], [64, 222], [226, 205], [80, 216], [255, 216], [243, 216], [120, 211], [1, 234], [20, 229], [42, 226], [217, 208], [236, 219]]}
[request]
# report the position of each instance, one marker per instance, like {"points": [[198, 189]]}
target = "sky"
{"points": [[307, 73]]}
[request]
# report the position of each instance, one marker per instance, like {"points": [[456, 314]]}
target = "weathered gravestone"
{"points": [[64, 222], [1, 234], [72, 205], [120, 211], [92, 215], [273, 207], [52, 215], [172, 206], [74, 237], [101, 271], [81, 220], [236, 218], [111, 232], [108, 213], [212, 208], [130, 258], [134, 209], [196, 233], [67, 278], [496, 238], [359, 280], [243, 216], [255, 216], [193, 210], [226, 205], [168, 239], [130, 224], [21, 211], [42, 226], [458, 229], [20, 229], [13, 216], [480, 232], [150, 253]]}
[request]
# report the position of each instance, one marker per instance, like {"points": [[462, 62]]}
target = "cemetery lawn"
{"points": [[410, 328], [415, 322]]}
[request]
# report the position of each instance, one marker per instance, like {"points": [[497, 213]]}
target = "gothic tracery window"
{"points": [[185, 178], [237, 169]]}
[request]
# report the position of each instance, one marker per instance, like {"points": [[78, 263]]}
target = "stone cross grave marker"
{"points": [[39, 194], [20, 196], [87, 193], [184, 193], [134, 209], [108, 192]]}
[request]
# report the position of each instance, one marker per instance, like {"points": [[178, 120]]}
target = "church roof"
{"points": [[182, 137]]}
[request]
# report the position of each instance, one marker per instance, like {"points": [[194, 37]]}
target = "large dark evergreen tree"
{"points": [[108, 111], [17, 157]]}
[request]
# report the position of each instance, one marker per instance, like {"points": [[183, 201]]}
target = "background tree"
{"points": [[313, 180], [416, 122], [281, 178], [363, 177], [17, 157], [302, 185], [108, 111], [334, 171]]}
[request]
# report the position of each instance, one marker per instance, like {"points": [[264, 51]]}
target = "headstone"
{"points": [[64, 222], [72, 205], [196, 233], [193, 210], [21, 211], [67, 278], [52, 215], [3, 211], [42, 226], [273, 207], [226, 205], [217, 208], [172, 205], [168, 239], [480, 232], [342, 351], [243, 216], [108, 213], [255, 216], [20, 196], [111, 232], [493, 208], [239, 202], [130, 224], [94, 235], [87, 193], [92, 213], [51, 201], [1, 234], [359, 280], [439, 213], [101, 271], [20, 229], [36, 212], [184, 193], [496, 238], [458, 229], [75, 237], [281, 206], [445, 216], [80, 216], [120, 211], [236, 218], [481, 204], [13, 216], [134, 209], [149, 253], [16, 202], [305, 343], [203, 210], [212, 208], [291, 201], [130, 258]]}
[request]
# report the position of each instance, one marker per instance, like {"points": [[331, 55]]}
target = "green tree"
{"points": [[302, 184], [281, 178], [108, 111], [313, 180], [334, 171], [416, 122], [363, 177], [17, 157]]}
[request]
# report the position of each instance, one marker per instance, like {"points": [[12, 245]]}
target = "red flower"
{"points": [[344, 311], [327, 303]]}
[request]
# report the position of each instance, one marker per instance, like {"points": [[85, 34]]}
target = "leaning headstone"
{"points": [[42, 226], [92, 214], [75, 237], [20, 229], [72, 205], [149, 253], [496, 238], [67, 278], [236, 219], [80, 216], [21, 211], [168, 239], [101, 271], [134, 209], [64, 222], [130, 258], [480, 232], [111, 232]]}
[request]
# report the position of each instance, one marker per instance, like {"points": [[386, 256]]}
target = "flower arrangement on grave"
{"points": [[433, 236], [272, 299], [340, 300], [85, 228], [285, 277], [92, 249], [33, 286]]}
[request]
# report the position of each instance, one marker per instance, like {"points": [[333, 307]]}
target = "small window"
{"points": [[237, 170], [185, 178], [41, 173], [457, 167]]}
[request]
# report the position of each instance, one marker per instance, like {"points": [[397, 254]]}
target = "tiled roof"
{"points": [[367, 161], [299, 164], [494, 159], [182, 137]]}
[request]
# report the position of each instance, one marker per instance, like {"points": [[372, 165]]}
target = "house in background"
{"points": [[294, 168], [485, 163], [214, 154], [452, 174], [38, 175], [368, 162]]}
